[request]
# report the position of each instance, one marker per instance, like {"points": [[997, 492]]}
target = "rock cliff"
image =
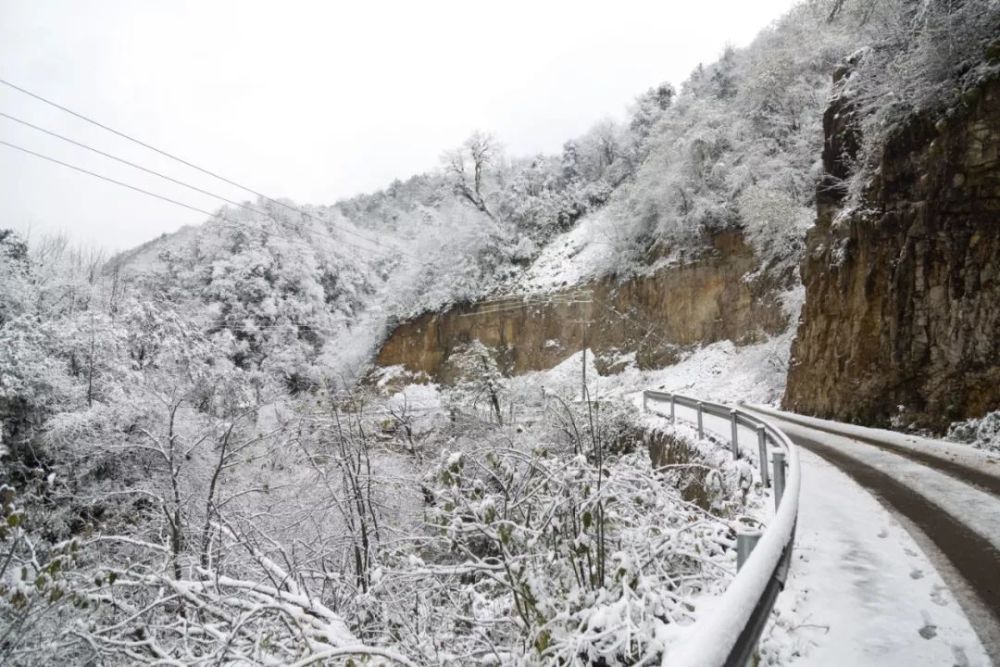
{"points": [[902, 310], [655, 316]]}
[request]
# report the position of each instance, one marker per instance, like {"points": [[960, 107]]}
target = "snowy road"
{"points": [[899, 571], [897, 553], [861, 591]]}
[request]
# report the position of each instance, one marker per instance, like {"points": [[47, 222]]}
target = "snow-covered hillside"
{"points": [[201, 465], [735, 149]]}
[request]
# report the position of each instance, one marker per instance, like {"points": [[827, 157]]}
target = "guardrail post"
{"points": [[701, 425], [736, 435], [673, 409], [745, 543], [779, 478], [645, 401], [765, 476]]}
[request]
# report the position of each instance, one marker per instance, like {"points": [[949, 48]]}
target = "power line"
{"points": [[192, 165], [514, 299], [219, 214], [107, 178], [528, 299], [524, 305], [231, 202], [131, 164], [74, 167]]}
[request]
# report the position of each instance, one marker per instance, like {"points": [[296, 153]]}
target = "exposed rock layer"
{"points": [[702, 301], [903, 292]]}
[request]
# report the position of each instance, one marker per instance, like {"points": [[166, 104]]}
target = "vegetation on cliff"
{"points": [[901, 269]]}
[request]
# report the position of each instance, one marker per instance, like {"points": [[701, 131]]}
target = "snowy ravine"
{"points": [[861, 591]]}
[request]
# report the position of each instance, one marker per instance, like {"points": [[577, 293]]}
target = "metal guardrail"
{"points": [[729, 636]]}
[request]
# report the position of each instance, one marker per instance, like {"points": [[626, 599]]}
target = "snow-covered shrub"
{"points": [[479, 387], [922, 58], [775, 225], [559, 546], [39, 584], [702, 470], [982, 433], [563, 560]]}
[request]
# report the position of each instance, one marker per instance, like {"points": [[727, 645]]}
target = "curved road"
{"points": [[948, 497]]}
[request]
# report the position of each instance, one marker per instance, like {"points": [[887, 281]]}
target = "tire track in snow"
{"points": [[863, 589], [986, 481], [975, 557]]}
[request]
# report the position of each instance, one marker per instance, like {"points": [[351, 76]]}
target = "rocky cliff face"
{"points": [[654, 316], [903, 292]]}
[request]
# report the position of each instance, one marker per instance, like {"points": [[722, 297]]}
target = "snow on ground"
{"points": [[860, 591], [721, 372], [574, 257], [985, 460], [418, 397]]}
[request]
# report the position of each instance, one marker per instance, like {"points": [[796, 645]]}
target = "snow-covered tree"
{"points": [[467, 168]]}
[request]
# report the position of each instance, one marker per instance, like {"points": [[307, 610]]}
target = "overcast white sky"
{"points": [[316, 101]]}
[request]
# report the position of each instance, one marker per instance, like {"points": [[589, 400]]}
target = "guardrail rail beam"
{"points": [[729, 636]]}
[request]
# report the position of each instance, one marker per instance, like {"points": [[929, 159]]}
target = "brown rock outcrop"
{"points": [[654, 316], [903, 292]]}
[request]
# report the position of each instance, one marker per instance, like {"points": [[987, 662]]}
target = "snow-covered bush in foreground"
{"points": [[247, 609], [549, 539], [982, 433], [567, 561], [557, 542]]}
